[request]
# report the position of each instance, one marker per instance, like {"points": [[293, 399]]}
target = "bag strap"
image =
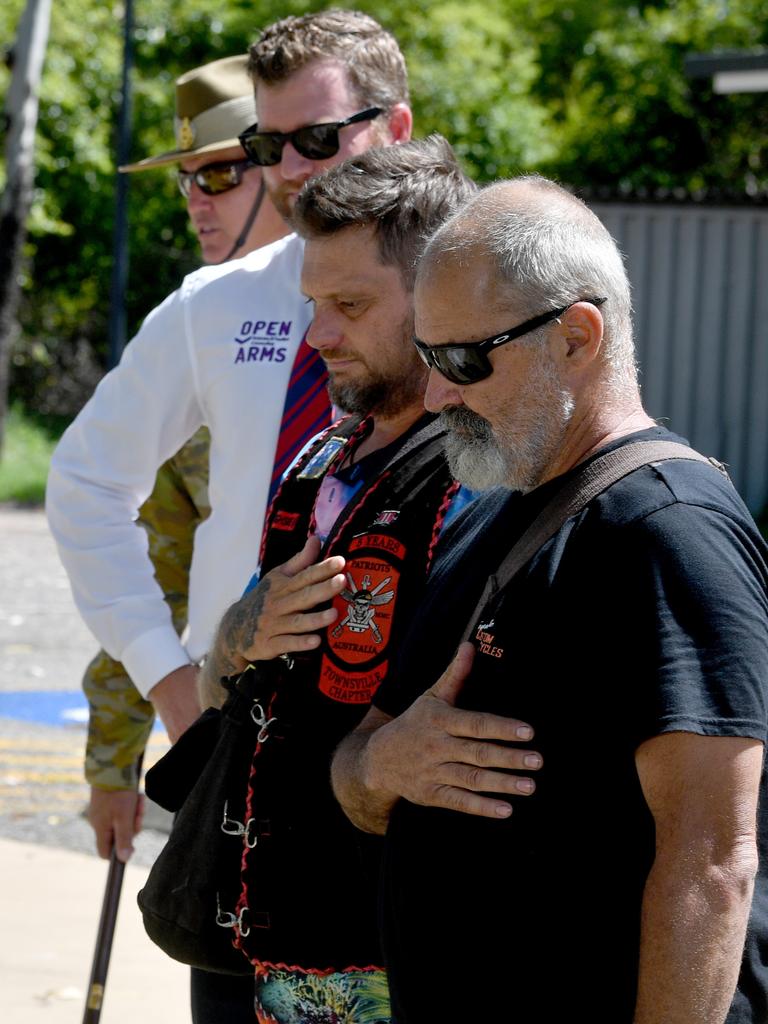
{"points": [[587, 483]]}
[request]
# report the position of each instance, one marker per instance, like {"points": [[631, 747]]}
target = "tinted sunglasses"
{"points": [[315, 141], [213, 179], [468, 362]]}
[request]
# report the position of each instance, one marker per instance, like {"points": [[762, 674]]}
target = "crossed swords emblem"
{"points": [[361, 606]]}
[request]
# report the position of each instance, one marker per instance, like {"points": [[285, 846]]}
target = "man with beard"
{"points": [[638, 633], [375, 491], [219, 352]]}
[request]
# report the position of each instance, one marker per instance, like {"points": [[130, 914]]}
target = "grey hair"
{"points": [[551, 250]]}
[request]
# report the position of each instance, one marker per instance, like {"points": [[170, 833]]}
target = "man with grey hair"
{"points": [[640, 628], [220, 352], [376, 491]]}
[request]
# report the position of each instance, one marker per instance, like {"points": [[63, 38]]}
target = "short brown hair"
{"points": [[373, 60], [405, 191]]}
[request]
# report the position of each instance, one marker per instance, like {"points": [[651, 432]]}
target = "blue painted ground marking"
{"points": [[48, 707]]}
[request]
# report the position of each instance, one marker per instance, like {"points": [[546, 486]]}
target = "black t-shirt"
{"points": [[646, 613]]}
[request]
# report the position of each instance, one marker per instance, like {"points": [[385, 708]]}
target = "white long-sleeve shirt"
{"points": [[219, 352]]}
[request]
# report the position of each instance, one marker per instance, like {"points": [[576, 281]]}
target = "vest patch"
{"points": [[284, 520], [378, 540], [365, 607], [350, 687], [320, 462], [386, 517]]}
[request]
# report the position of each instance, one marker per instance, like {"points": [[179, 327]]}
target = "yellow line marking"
{"points": [[77, 742], [35, 798], [32, 758], [22, 744], [9, 779]]}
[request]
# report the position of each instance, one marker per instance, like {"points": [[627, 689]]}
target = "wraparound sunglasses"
{"points": [[468, 362], [213, 179], [314, 141]]}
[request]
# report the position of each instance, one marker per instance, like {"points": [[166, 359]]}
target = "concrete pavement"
{"points": [[51, 901], [50, 889]]}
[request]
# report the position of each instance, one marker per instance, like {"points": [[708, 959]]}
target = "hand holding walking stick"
{"points": [[105, 933]]}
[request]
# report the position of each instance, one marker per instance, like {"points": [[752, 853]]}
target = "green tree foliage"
{"points": [[629, 119], [594, 94]]}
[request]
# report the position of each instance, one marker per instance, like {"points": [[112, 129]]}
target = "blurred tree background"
{"points": [[591, 93]]}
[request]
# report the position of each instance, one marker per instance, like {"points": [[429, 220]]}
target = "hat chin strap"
{"points": [[247, 225]]}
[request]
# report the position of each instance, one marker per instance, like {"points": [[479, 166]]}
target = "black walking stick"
{"points": [[106, 932], [114, 885]]}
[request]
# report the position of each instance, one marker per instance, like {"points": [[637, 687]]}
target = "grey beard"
{"points": [[473, 454], [516, 459]]}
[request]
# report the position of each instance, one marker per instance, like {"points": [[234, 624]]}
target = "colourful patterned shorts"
{"points": [[299, 997]]}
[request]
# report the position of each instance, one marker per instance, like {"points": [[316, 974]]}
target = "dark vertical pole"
{"points": [[120, 243], [94, 1001], [25, 62]]}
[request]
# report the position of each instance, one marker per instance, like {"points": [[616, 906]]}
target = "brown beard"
{"points": [[386, 396]]}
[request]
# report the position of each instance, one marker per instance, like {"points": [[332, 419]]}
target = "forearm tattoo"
{"points": [[235, 635], [241, 629]]}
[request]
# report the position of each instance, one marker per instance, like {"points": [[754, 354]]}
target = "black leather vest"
{"points": [[309, 880]]}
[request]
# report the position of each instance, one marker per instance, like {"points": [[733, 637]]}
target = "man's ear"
{"points": [[400, 123], [579, 335]]}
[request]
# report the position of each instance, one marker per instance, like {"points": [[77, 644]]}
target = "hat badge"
{"points": [[186, 134]]}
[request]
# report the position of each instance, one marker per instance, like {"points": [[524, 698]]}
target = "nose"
{"points": [[294, 166], [440, 392], [324, 331], [197, 198]]}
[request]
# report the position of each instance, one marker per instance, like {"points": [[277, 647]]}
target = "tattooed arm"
{"points": [[274, 618]]}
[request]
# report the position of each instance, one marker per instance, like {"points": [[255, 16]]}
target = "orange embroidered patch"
{"points": [[350, 687], [366, 607], [380, 541], [284, 521]]}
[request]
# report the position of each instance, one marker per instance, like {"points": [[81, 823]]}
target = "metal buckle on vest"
{"points": [[232, 827], [226, 919], [259, 717]]}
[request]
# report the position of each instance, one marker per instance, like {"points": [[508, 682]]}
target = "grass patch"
{"points": [[29, 441]]}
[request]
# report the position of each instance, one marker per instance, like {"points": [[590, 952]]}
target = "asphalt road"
{"points": [[44, 648]]}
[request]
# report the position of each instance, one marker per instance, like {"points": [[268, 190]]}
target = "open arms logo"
{"points": [[263, 341]]}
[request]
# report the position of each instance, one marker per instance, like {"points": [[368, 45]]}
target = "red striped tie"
{"points": [[307, 410]]}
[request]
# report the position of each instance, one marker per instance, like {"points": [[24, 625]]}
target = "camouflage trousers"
{"points": [[120, 720]]}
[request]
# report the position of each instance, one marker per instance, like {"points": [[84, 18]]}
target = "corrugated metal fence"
{"points": [[700, 291]]}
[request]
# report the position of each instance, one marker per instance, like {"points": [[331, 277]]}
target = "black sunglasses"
{"points": [[315, 141], [213, 179], [468, 362]]}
